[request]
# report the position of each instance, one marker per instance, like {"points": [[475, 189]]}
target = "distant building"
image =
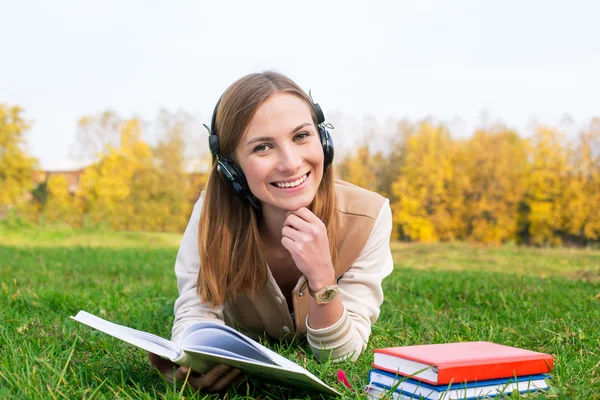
{"points": [[70, 169], [193, 168], [73, 177]]}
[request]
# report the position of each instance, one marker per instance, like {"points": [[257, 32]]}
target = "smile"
{"points": [[291, 184]]}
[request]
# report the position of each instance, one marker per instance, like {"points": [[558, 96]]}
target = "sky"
{"points": [[517, 62]]}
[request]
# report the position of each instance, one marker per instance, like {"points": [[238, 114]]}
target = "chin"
{"points": [[296, 205], [290, 203]]}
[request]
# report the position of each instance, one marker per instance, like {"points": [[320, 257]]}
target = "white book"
{"points": [[377, 392], [206, 344]]}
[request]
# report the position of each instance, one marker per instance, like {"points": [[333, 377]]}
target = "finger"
{"points": [[208, 379], [305, 214], [291, 246], [225, 380], [191, 377], [157, 361], [154, 359], [240, 378], [294, 221], [313, 225], [293, 234], [308, 230], [182, 373], [164, 366]]}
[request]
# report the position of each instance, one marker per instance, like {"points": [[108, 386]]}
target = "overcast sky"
{"points": [[519, 60]]}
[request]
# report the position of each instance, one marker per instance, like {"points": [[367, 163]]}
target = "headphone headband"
{"points": [[213, 139]]}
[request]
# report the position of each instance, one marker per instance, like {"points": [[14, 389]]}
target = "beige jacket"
{"points": [[364, 228]]}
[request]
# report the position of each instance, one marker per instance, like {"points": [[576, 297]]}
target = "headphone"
{"points": [[232, 174]]}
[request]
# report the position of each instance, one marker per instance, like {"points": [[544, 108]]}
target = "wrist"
{"points": [[317, 283]]}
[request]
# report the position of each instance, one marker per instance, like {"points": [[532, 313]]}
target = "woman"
{"points": [[275, 245]]}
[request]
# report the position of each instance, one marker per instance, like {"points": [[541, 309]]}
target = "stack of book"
{"points": [[466, 370]]}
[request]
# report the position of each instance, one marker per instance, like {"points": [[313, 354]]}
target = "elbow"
{"points": [[348, 348]]}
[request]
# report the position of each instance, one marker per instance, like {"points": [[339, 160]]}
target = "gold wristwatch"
{"points": [[324, 295]]}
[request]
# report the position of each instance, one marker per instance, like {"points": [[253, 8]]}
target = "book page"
{"points": [[227, 330], [218, 352], [218, 339], [200, 360], [144, 340], [275, 367]]}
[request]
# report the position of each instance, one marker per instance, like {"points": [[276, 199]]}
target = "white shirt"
{"points": [[359, 289]]}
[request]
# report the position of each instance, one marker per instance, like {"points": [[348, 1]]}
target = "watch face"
{"points": [[328, 295]]}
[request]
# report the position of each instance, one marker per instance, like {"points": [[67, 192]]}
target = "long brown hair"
{"points": [[231, 249]]}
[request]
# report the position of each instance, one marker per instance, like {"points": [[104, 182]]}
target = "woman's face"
{"points": [[281, 154]]}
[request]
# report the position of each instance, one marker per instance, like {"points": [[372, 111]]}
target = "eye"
{"points": [[301, 136], [261, 148]]}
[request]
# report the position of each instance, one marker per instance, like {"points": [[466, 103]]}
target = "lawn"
{"points": [[541, 299]]}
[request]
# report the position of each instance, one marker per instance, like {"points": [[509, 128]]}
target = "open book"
{"points": [[206, 344]]}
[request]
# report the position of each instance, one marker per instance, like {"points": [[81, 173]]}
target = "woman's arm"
{"points": [[188, 307], [361, 295]]}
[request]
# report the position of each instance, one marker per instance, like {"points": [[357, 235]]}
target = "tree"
{"points": [[96, 135], [581, 199], [170, 155], [496, 162], [388, 165], [105, 187], [546, 184], [60, 206], [422, 211], [359, 168], [160, 189], [16, 167]]}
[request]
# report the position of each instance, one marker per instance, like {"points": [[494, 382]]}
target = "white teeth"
{"points": [[292, 184]]}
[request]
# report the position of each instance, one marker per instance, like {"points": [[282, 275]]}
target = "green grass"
{"points": [[542, 299], [64, 236]]}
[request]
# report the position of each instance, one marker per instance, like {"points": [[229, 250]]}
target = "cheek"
{"points": [[255, 171], [317, 154]]}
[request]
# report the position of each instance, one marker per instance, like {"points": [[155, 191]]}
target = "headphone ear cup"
{"points": [[327, 144], [233, 177]]}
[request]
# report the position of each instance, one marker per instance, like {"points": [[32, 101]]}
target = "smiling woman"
{"points": [[285, 167], [275, 245]]}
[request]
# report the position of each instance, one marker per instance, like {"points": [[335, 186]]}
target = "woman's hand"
{"points": [[213, 381], [305, 237]]}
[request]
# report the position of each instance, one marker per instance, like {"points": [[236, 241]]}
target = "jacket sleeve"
{"points": [[361, 294], [189, 307]]}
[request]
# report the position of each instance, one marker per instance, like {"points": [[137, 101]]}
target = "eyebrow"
{"points": [[269, 138]]}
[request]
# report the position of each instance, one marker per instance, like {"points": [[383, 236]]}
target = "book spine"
{"points": [[447, 374]]}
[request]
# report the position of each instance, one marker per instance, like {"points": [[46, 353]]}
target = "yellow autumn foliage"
{"points": [[60, 205], [546, 182], [16, 167], [492, 187], [423, 210], [496, 165]]}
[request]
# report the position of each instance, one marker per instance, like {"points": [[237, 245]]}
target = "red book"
{"points": [[440, 364]]}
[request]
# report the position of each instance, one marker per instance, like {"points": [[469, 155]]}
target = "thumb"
{"points": [[182, 373]]}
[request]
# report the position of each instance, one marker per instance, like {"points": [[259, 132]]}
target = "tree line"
{"points": [[132, 185], [493, 187]]}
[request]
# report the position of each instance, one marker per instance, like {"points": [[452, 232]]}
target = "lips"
{"points": [[291, 184]]}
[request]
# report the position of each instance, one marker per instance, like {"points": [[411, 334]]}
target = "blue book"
{"points": [[413, 389]]}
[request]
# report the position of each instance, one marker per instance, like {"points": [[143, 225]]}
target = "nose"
{"points": [[290, 160]]}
